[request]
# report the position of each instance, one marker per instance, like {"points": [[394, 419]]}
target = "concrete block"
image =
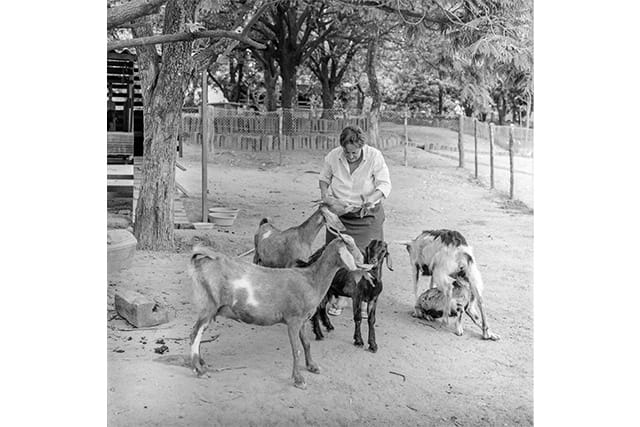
{"points": [[139, 310]]}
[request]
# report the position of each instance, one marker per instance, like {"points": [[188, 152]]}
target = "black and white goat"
{"points": [[445, 256], [276, 248], [364, 289], [236, 289]]}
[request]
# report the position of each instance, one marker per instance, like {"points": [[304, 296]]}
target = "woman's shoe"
{"points": [[334, 311]]}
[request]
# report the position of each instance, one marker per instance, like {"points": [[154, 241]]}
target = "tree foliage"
{"points": [[419, 52]]}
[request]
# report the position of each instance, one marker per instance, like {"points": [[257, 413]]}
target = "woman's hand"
{"points": [[369, 201], [339, 207]]}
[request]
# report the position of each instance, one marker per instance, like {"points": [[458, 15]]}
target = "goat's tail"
{"points": [[470, 269], [263, 221], [200, 283]]}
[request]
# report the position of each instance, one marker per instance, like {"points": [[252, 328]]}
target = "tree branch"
{"points": [[130, 11], [181, 37], [393, 10]]}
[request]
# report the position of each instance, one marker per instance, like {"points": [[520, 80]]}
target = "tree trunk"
{"points": [[288, 73], [238, 88], [374, 130], [440, 99], [328, 97], [289, 89], [271, 101], [502, 109], [360, 101], [121, 14], [163, 104]]}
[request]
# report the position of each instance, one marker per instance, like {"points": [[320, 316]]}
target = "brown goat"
{"points": [[276, 248], [263, 296]]}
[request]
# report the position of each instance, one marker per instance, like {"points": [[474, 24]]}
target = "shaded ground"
{"points": [[448, 380]]}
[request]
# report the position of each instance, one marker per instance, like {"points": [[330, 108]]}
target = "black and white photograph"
{"points": [[320, 212]]}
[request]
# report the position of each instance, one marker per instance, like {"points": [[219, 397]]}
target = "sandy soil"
{"points": [[445, 379]]}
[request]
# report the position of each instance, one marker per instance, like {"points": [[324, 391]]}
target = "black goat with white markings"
{"points": [[366, 289], [445, 255]]}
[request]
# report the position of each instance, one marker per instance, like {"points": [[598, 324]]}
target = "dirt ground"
{"points": [[422, 374]]}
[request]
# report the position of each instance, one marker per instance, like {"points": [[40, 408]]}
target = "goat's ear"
{"points": [[365, 267], [389, 262], [347, 258], [331, 219]]}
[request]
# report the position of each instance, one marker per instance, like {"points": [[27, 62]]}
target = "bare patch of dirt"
{"points": [[422, 374]]}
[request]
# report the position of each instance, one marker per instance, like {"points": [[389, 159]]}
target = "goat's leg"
{"points": [[441, 280], [446, 309], [473, 314], [480, 320], [357, 319], [371, 318], [293, 328], [416, 277], [322, 313], [306, 346], [315, 323], [197, 363], [459, 313]]}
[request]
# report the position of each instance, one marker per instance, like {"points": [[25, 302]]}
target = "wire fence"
{"points": [[398, 117], [518, 144], [284, 129], [522, 137]]}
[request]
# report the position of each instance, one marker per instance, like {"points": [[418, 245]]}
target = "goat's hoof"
{"points": [[459, 333], [301, 384], [319, 337], [358, 343], [491, 336], [198, 365], [330, 328], [313, 368], [373, 348]]}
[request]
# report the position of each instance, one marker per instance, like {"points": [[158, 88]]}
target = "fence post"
{"points": [[511, 128], [406, 137], [203, 121], [475, 144], [460, 143], [212, 140], [491, 152], [280, 133]]}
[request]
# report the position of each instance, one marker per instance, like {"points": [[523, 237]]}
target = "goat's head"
{"points": [[376, 252], [331, 220], [351, 255], [337, 206]]}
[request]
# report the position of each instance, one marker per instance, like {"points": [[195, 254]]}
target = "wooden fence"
{"points": [[271, 131], [515, 140]]}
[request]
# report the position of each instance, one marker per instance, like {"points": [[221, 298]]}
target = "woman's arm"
{"points": [[372, 199], [324, 188], [382, 180]]}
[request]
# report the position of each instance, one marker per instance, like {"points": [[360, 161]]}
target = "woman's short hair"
{"points": [[352, 135]]}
